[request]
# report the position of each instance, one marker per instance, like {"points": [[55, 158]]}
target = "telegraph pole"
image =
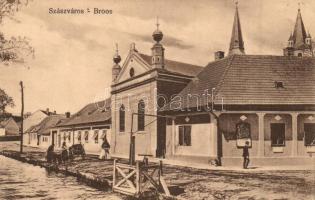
{"points": [[22, 115]]}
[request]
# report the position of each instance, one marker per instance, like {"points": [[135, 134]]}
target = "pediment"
{"points": [[134, 65]]}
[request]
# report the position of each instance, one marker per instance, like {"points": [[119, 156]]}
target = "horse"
{"points": [[76, 149]]}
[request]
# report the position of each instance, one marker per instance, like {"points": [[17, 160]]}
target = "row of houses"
{"points": [[202, 113], [88, 127], [176, 110]]}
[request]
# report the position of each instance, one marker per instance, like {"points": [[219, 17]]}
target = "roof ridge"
{"points": [[174, 61]]}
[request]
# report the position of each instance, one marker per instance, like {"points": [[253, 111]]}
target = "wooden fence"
{"points": [[136, 179]]}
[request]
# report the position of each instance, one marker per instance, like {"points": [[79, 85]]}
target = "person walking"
{"points": [[246, 155], [50, 153], [105, 149], [64, 152]]}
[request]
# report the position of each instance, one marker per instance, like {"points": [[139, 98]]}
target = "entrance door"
{"points": [[161, 137], [59, 140]]}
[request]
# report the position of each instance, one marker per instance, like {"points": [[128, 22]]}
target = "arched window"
{"points": [[141, 108], [122, 118]]}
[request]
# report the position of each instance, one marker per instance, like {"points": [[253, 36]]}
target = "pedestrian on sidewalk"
{"points": [[105, 149], [246, 155], [49, 154], [64, 152]]}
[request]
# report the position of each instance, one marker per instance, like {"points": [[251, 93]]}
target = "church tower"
{"points": [[299, 43], [237, 43], [157, 49], [116, 68]]}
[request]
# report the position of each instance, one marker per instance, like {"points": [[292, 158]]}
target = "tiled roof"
{"points": [[175, 66], [33, 128], [48, 123], [91, 113], [250, 79]]}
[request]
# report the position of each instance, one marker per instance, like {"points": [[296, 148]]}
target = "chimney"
{"points": [[47, 111], [67, 114], [218, 55]]}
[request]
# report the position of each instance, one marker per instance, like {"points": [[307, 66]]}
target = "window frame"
{"points": [[79, 136], [69, 136], [183, 142], [86, 136], [122, 119], [305, 137], [141, 116], [271, 135], [96, 136]]}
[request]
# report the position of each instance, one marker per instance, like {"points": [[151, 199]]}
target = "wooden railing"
{"points": [[136, 179]]}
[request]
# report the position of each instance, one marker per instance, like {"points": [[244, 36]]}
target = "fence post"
{"points": [[114, 174], [161, 168], [138, 183]]}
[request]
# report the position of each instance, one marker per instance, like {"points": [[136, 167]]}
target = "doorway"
{"points": [[161, 137]]}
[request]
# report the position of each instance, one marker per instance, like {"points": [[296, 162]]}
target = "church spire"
{"points": [[237, 43], [300, 43], [299, 33]]}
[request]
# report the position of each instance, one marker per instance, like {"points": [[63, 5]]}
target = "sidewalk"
{"points": [[209, 182], [251, 168]]}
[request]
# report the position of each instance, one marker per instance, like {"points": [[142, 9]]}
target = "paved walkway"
{"points": [[218, 183], [239, 168]]}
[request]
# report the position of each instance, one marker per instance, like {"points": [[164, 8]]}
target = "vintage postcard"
{"points": [[157, 99]]}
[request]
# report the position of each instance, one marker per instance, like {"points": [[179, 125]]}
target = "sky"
{"points": [[73, 53]]}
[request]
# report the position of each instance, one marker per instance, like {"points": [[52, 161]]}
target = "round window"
{"points": [[132, 72]]}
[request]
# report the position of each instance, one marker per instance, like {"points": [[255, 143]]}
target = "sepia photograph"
{"points": [[157, 99]]}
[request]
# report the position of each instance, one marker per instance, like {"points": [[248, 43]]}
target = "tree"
{"points": [[5, 101], [13, 49]]}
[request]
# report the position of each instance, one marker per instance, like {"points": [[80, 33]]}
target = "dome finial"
{"points": [[157, 23], [117, 57], [157, 34]]}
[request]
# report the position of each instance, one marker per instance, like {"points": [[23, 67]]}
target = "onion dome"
{"points": [[116, 57], [157, 34]]}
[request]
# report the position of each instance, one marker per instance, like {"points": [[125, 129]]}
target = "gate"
{"points": [[135, 180]]}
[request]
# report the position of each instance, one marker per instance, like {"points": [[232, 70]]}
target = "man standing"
{"points": [[246, 155], [105, 149]]}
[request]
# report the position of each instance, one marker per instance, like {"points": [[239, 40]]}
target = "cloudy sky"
{"points": [[73, 61]]}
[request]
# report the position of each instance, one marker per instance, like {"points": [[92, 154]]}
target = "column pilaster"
{"points": [[294, 135], [261, 135]]}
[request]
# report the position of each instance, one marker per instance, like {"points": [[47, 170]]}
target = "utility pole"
{"points": [[22, 115]]}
